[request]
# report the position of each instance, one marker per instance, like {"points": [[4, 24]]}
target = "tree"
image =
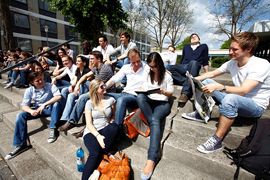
{"points": [[185, 41], [91, 16], [6, 23], [157, 14], [231, 16], [226, 44], [181, 18]]}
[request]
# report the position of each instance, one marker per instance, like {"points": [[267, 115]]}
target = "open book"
{"points": [[203, 102], [147, 91]]}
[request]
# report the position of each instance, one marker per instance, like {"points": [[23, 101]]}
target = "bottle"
{"points": [[80, 159]]}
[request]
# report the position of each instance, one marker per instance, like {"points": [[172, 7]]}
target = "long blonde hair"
{"points": [[94, 85]]}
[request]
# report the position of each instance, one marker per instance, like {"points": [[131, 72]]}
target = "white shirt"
{"points": [[257, 69], [166, 85], [169, 55], [105, 52], [70, 72], [134, 79], [70, 53]]}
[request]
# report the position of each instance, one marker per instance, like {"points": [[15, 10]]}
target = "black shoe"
{"points": [[18, 150], [22, 86]]}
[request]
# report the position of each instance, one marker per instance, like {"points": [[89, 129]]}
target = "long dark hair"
{"points": [[156, 58], [59, 60], [36, 64]]}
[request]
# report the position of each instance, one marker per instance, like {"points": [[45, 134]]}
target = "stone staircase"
{"points": [[180, 158]]}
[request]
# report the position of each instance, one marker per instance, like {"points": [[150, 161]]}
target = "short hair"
{"points": [[126, 34], [97, 54], [194, 34], [132, 53], [104, 38], [15, 56], [68, 46], [32, 76], [27, 54], [172, 47], [246, 40], [18, 49], [12, 50], [40, 48], [69, 58]]}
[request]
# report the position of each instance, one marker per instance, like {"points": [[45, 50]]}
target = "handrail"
{"points": [[34, 57]]}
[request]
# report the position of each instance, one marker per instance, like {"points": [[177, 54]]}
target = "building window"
{"points": [[138, 37], [138, 46], [20, 23], [148, 40], [22, 1], [143, 47], [24, 44], [22, 4], [69, 34], [143, 38], [44, 9], [148, 49], [52, 32], [75, 49]]}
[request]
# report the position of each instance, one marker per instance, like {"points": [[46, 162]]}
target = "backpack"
{"points": [[253, 153]]}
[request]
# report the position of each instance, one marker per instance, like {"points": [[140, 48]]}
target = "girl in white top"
{"points": [[155, 107], [100, 131]]}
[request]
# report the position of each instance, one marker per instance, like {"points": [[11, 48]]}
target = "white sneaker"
{"points": [[8, 85], [194, 116], [52, 136]]}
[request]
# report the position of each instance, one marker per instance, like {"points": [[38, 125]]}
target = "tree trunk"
{"points": [[6, 22]]}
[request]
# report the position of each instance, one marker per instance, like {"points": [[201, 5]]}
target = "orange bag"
{"points": [[112, 168], [135, 123]]}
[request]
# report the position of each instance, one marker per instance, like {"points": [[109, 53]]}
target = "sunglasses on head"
{"points": [[103, 86]]}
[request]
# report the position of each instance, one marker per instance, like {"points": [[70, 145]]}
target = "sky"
{"points": [[203, 18]]}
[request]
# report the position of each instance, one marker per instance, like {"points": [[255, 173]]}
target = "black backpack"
{"points": [[253, 154]]}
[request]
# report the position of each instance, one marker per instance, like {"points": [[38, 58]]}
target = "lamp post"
{"points": [[46, 28]]}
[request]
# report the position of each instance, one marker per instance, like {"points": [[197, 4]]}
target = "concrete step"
{"points": [[28, 165], [60, 155]]}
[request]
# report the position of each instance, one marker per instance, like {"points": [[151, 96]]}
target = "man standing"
{"points": [[46, 97], [121, 50], [103, 47], [69, 52], [248, 98], [134, 73], [169, 57], [194, 56]]}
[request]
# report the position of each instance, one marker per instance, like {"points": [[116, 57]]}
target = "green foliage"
{"points": [[178, 59], [218, 61], [91, 16], [226, 44], [181, 46]]}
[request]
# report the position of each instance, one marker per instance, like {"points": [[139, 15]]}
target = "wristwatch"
{"points": [[223, 89]]}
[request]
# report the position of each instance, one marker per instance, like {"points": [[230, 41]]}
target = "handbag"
{"points": [[114, 168], [135, 123]]}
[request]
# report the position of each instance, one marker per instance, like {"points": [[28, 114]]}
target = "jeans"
{"points": [[24, 74], [20, 132], [119, 64], [166, 64], [154, 111], [14, 76], [84, 87], [233, 105], [50, 62], [123, 100], [61, 84], [95, 150], [179, 75], [70, 102], [79, 108]]}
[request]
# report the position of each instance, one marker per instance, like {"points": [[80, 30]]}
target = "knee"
{"points": [[229, 106], [194, 63], [208, 81], [20, 117], [169, 67], [121, 102], [83, 98], [141, 97]]}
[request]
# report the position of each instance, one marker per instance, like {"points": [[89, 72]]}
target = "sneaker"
{"points": [[183, 98], [7, 81], [52, 136], [18, 150], [211, 145], [8, 86], [194, 116]]}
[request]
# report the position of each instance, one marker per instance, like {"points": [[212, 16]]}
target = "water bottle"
{"points": [[80, 159]]}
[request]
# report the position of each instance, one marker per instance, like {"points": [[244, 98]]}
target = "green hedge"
{"points": [[218, 61]]}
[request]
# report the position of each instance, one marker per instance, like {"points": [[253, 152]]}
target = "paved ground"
{"points": [[5, 172]]}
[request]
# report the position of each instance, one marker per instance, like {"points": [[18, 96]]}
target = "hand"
{"points": [[70, 89], [33, 113], [100, 140], [109, 63], [76, 90], [160, 92], [210, 88], [40, 109], [53, 81]]}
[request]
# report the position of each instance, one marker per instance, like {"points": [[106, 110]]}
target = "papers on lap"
{"points": [[147, 91], [204, 103]]}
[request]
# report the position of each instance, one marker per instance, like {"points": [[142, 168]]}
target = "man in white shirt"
{"points": [[70, 71], [104, 47], [248, 98], [134, 73], [169, 57]]}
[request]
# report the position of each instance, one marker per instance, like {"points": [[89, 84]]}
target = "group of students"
{"points": [[105, 109]]}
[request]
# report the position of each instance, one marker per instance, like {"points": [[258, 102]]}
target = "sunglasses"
{"points": [[103, 86], [153, 67]]}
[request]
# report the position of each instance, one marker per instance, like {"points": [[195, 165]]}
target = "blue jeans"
{"points": [[179, 75], [24, 74], [70, 102], [20, 132], [14, 76], [84, 87], [123, 100], [119, 64], [233, 105], [61, 84], [166, 64], [154, 111], [50, 62], [91, 143], [79, 108]]}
